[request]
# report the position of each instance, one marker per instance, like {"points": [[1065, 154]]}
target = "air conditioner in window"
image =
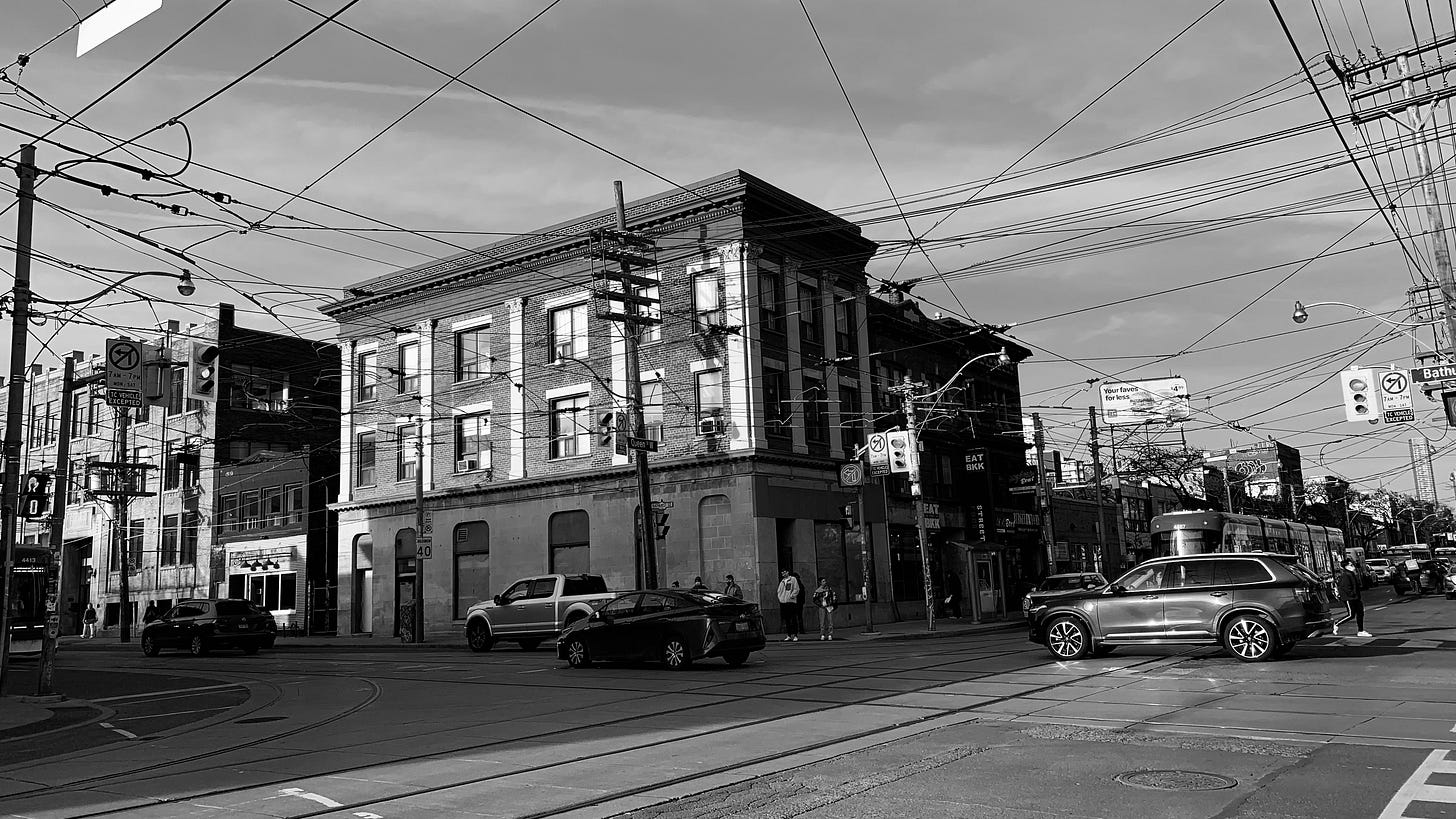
{"points": [[710, 425], [467, 464]]}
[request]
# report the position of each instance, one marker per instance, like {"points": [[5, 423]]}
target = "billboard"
{"points": [[1155, 401]]}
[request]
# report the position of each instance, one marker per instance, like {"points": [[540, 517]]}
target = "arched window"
{"points": [[570, 537], [472, 565]]}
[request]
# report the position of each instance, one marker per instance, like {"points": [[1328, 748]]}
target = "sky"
{"points": [[1142, 188]]}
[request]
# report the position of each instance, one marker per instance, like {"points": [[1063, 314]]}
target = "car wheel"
{"points": [[149, 646], [477, 635], [198, 646], [576, 654], [736, 658], [675, 654], [529, 645], [1250, 639], [1067, 639], [251, 649]]}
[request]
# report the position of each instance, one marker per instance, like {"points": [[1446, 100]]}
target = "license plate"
{"points": [[740, 627], [243, 626]]}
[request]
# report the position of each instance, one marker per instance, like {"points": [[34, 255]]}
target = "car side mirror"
{"points": [[600, 617], [1115, 589]]}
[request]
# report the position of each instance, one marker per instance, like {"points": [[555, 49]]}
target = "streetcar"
{"points": [[27, 604], [1192, 533]]}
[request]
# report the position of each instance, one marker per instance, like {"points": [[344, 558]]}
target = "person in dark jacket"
{"points": [[151, 613], [1347, 586]]}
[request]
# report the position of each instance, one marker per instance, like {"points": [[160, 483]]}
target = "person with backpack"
{"points": [[1347, 589], [88, 622], [827, 602]]}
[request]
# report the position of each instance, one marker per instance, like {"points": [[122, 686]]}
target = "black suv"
{"points": [[1256, 604], [202, 625]]}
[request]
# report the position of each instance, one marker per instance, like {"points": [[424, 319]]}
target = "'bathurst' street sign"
{"points": [[1440, 372]]}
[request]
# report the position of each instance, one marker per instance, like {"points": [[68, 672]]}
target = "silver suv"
{"points": [[1256, 604]]}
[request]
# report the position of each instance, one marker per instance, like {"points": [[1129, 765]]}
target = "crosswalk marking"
{"points": [[1418, 789]]}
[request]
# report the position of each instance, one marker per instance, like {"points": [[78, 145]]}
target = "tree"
{"points": [[1179, 469]]}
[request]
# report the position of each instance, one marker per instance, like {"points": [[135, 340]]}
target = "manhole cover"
{"points": [[251, 720], [1175, 780]]}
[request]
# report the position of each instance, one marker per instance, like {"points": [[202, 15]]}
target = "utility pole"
{"points": [[1440, 250], [15, 404], [122, 505], [630, 251], [906, 391], [51, 637], [1043, 493], [864, 561], [1097, 488], [423, 542]]}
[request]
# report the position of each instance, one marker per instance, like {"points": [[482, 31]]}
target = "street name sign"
{"points": [[643, 444], [1395, 397], [123, 372], [879, 448], [1440, 372]]}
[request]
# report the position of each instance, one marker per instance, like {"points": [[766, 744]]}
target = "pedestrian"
{"points": [[88, 622], [151, 613], [676, 585], [826, 601], [699, 585], [732, 589], [1347, 588], [1400, 580], [799, 602], [788, 594]]}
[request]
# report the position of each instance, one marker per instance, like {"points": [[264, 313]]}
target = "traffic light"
{"points": [[35, 499], [1361, 399], [202, 371], [659, 517], [899, 444], [604, 430], [848, 511]]}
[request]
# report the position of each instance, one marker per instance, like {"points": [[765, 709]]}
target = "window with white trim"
{"points": [[567, 333], [366, 376], [365, 453], [652, 410], [408, 457], [409, 367], [570, 430], [472, 353], [472, 438]]}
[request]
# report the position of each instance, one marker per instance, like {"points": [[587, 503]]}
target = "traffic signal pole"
{"points": [[51, 637], [906, 391], [15, 403]]}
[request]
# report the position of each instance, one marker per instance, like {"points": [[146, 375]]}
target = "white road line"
{"points": [[127, 734], [176, 713], [533, 671], [312, 797], [170, 692], [1415, 788]]}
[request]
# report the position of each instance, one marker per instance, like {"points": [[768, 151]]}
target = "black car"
{"points": [[676, 626], [202, 625]]}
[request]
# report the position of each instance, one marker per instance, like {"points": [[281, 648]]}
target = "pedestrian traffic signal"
{"points": [[202, 371], [35, 495], [659, 517], [1448, 400], [848, 511], [1361, 397], [899, 444]]}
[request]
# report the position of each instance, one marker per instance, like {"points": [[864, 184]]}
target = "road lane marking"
{"points": [[110, 727], [533, 671], [1416, 788], [176, 713], [169, 692], [312, 797]]}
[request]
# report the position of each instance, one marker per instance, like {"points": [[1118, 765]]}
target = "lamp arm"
{"points": [[184, 278]]}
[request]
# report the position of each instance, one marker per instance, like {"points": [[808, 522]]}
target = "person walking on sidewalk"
{"points": [[790, 609], [732, 589], [1347, 588], [826, 602], [88, 622]]}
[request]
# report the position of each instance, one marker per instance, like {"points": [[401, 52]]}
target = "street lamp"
{"points": [[185, 287], [1301, 315], [1002, 359]]}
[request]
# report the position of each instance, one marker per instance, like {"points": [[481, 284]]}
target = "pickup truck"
{"points": [[534, 609]]}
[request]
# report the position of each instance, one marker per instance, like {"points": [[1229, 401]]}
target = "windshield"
{"points": [[237, 608], [1063, 583], [708, 598]]}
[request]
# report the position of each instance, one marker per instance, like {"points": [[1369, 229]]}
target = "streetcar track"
{"points": [[728, 698]]}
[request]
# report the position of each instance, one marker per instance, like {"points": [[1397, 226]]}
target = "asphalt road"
{"points": [[969, 726]]}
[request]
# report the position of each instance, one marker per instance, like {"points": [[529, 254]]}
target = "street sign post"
{"points": [[123, 372], [1395, 397], [878, 447]]}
